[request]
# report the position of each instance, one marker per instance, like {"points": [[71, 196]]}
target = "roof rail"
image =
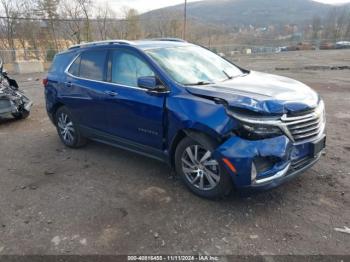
{"points": [[124, 42], [172, 39]]}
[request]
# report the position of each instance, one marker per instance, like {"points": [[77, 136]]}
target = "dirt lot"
{"points": [[103, 200]]}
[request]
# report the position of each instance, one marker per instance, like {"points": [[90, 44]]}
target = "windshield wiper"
{"points": [[227, 75], [200, 83]]}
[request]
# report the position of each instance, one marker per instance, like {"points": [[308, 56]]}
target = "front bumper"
{"points": [[284, 159], [278, 180]]}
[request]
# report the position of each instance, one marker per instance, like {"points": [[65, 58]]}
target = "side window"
{"points": [[92, 64], [60, 62], [127, 67], [74, 68]]}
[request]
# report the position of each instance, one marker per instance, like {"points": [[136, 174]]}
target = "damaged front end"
{"points": [[13, 102], [276, 131], [267, 151]]}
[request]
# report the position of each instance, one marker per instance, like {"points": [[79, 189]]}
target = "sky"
{"points": [[143, 5], [146, 5], [333, 1]]}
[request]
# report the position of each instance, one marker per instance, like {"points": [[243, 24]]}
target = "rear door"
{"points": [[132, 112], [85, 88]]}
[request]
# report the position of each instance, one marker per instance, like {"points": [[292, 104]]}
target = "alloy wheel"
{"points": [[200, 169], [66, 128]]}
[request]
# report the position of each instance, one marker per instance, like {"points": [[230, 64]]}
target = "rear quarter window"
{"points": [[74, 68], [60, 62]]}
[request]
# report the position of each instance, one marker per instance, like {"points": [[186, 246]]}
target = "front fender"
{"points": [[188, 112]]}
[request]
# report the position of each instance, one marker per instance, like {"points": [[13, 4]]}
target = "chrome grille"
{"points": [[307, 126]]}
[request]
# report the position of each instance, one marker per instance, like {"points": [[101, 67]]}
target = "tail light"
{"points": [[45, 81]]}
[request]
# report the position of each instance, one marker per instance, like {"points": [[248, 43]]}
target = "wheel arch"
{"points": [[54, 109], [195, 134]]}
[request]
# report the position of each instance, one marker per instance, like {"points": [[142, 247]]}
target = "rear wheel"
{"points": [[68, 130], [201, 173]]}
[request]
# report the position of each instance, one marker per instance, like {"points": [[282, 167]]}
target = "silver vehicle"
{"points": [[13, 102]]}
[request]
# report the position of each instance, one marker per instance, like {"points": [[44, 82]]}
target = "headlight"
{"points": [[255, 128], [257, 131]]}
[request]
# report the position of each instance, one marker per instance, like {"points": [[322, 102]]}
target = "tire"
{"points": [[67, 129], [197, 176], [23, 114]]}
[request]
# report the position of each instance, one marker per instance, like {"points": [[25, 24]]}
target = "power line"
{"points": [[56, 19], [79, 19]]}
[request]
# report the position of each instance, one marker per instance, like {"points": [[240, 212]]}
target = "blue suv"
{"points": [[218, 125]]}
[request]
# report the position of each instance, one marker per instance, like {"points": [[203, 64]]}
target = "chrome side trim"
{"points": [[279, 174], [103, 82]]}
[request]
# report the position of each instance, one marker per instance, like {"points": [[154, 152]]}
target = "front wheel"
{"points": [[201, 173], [68, 130]]}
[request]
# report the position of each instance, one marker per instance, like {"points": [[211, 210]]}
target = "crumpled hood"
{"points": [[262, 93]]}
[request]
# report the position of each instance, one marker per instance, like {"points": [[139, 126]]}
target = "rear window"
{"points": [[92, 64], [60, 62]]}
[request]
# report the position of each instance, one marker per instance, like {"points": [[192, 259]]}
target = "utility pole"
{"points": [[185, 21]]}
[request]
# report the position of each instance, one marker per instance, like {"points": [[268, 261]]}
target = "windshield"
{"points": [[194, 65]]}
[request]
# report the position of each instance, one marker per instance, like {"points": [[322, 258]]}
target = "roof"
{"points": [[142, 44], [154, 44]]}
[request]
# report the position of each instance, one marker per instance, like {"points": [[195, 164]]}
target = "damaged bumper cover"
{"points": [[13, 101], [9, 106], [267, 163]]}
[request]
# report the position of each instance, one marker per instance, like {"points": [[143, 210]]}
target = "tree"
{"points": [[8, 25], [341, 22], [316, 27], [337, 24], [164, 24], [133, 30], [27, 31], [70, 10], [48, 10], [105, 15], [347, 28], [85, 7]]}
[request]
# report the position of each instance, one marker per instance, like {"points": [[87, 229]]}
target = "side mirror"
{"points": [[149, 82]]}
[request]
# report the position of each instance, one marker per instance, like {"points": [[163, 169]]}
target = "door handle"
{"points": [[68, 84], [111, 93]]}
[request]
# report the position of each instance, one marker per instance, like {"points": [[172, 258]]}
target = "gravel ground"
{"points": [[103, 200]]}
